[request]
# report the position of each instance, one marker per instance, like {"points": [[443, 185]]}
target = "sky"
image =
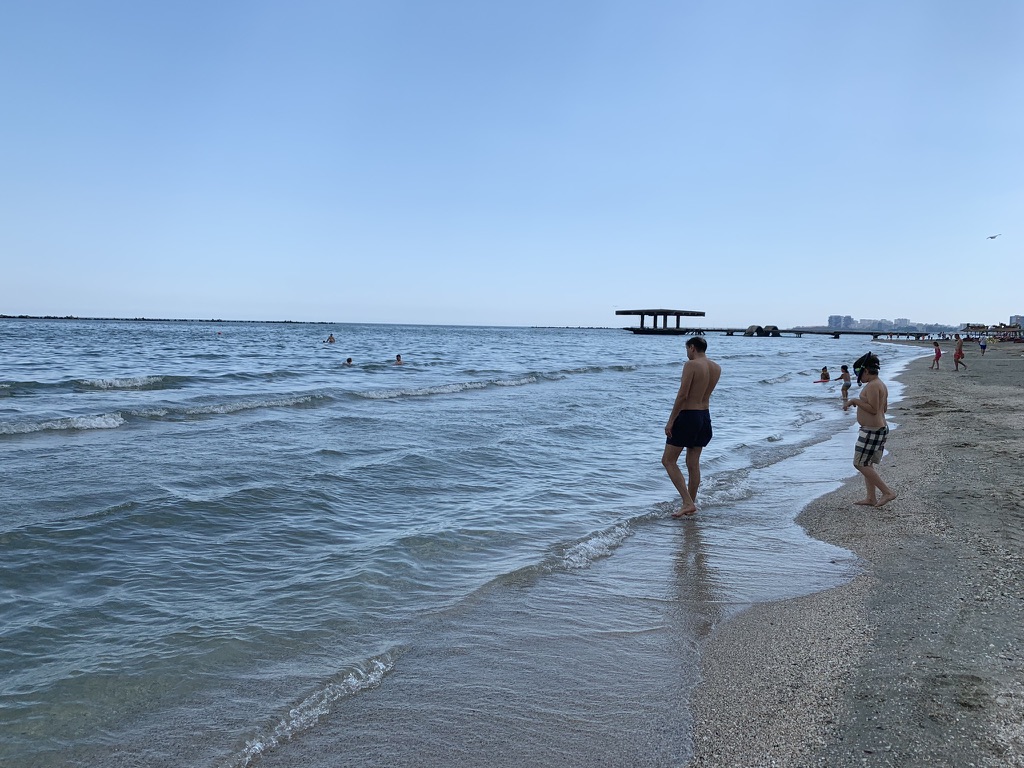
{"points": [[537, 162]]}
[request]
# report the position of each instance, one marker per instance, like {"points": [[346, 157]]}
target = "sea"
{"points": [[223, 545]]}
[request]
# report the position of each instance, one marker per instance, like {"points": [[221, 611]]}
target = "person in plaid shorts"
{"points": [[871, 407]]}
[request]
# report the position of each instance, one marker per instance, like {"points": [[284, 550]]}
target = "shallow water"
{"points": [[219, 538]]}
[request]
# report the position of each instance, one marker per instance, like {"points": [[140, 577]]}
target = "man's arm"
{"points": [[681, 396]]}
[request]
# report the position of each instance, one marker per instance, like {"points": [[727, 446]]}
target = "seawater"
{"points": [[221, 544]]}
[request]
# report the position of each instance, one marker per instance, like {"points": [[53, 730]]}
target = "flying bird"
{"points": [[993, 237]]}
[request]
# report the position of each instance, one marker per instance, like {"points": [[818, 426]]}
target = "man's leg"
{"points": [[871, 475], [873, 481], [670, 461], [693, 470], [870, 500]]}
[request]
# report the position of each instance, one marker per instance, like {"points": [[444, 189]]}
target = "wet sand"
{"points": [[919, 661]]}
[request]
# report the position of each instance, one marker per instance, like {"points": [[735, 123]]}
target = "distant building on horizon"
{"points": [[847, 323], [1016, 319], [840, 322], [870, 324]]}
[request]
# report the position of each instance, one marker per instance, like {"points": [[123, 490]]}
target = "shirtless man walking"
{"points": [[689, 423], [958, 353], [871, 407]]}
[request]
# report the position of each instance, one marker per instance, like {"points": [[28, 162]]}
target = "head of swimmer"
{"points": [[694, 346]]}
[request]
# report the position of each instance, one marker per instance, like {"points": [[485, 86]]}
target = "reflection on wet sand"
{"points": [[697, 588]]}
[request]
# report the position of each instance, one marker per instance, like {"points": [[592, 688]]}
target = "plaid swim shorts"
{"points": [[870, 446]]}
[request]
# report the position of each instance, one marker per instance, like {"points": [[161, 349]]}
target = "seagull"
{"points": [[993, 237]]}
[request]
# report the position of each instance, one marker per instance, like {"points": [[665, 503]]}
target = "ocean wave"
{"points": [[526, 379], [96, 384], [586, 369], [316, 705], [807, 417], [234, 406], [445, 389], [260, 376], [101, 421], [249, 405], [727, 488], [117, 419], [516, 382], [131, 382], [583, 554]]}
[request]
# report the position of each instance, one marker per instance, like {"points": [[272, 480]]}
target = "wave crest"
{"points": [[445, 389], [306, 713], [582, 554], [101, 421], [129, 382]]}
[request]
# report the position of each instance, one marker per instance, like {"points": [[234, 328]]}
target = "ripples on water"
{"points": [[218, 535]]}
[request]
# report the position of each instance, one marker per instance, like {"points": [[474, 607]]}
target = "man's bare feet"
{"points": [[886, 498], [687, 510], [866, 503]]}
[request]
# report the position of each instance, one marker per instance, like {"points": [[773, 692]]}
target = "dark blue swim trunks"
{"points": [[691, 429]]}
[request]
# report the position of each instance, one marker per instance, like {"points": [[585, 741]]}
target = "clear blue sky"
{"points": [[537, 162]]}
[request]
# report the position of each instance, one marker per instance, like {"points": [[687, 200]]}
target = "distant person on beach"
{"points": [[871, 407], [983, 343], [847, 383], [689, 423], [938, 355], [329, 339], [958, 353], [825, 376], [398, 359]]}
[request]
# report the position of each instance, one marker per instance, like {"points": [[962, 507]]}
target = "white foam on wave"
{"points": [[248, 405], [102, 421], [130, 382], [601, 544], [807, 417], [516, 382], [445, 389], [306, 713]]}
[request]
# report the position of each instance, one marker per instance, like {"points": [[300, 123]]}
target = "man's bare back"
{"points": [[703, 374]]}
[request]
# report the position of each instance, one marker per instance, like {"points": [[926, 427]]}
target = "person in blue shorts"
{"points": [[689, 423]]}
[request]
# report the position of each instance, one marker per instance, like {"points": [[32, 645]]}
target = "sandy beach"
{"points": [[919, 661]]}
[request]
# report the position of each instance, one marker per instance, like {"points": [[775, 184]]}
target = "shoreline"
{"points": [[919, 660]]}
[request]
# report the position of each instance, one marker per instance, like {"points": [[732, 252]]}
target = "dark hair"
{"points": [[864, 363], [698, 343]]}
